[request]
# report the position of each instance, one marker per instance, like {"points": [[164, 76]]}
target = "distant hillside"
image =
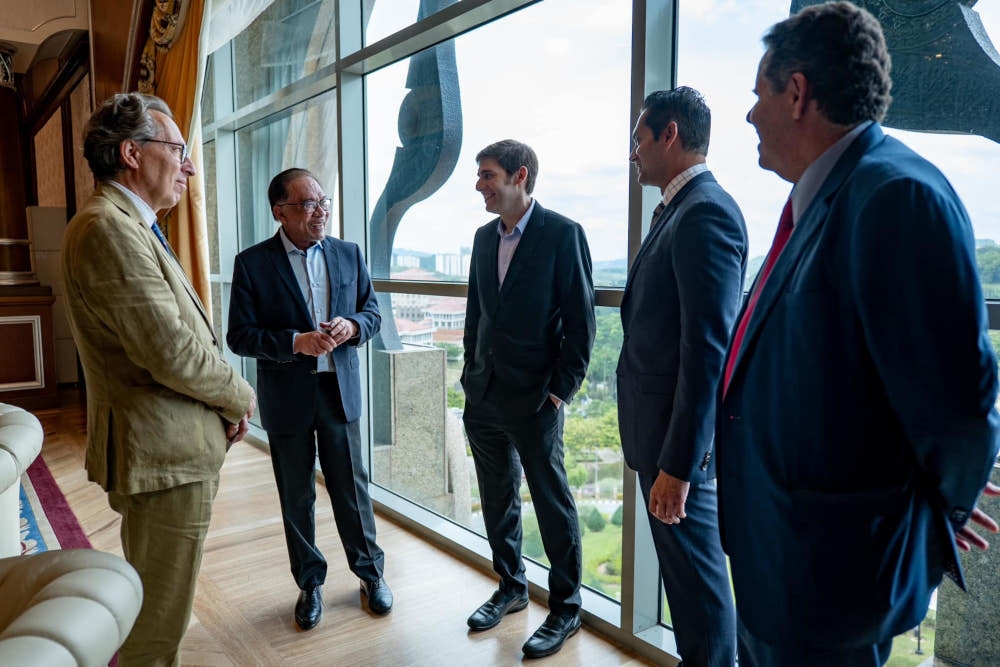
{"points": [[610, 272]]}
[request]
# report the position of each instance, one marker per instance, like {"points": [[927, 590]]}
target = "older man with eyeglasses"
{"points": [[301, 304], [162, 403]]}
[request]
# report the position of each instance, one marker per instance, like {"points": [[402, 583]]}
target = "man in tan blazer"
{"points": [[163, 405]]}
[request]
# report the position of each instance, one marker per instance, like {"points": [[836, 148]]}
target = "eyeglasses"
{"points": [[182, 147], [310, 206]]}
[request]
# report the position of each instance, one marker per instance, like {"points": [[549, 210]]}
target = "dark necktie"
{"points": [[656, 213], [163, 240], [780, 239]]}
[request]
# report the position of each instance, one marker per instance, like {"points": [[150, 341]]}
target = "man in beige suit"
{"points": [[163, 406]]}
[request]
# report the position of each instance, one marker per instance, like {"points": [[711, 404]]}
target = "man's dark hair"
{"points": [[842, 53], [278, 189], [512, 155], [120, 117], [685, 106]]}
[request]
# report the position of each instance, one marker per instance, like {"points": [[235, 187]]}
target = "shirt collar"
{"points": [[291, 247], [815, 174], [680, 180], [147, 213], [521, 224]]}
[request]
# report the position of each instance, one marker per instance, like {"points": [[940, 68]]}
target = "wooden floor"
{"points": [[243, 610]]}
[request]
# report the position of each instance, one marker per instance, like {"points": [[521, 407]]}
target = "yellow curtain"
{"points": [[175, 79]]}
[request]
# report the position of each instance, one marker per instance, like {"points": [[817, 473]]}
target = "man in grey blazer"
{"points": [[529, 329], [301, 304], [162, 404], [680, 300]]}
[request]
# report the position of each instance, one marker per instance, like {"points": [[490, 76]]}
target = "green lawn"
{"points": [[905, 645]]}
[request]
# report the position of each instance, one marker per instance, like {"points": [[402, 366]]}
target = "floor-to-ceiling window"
{"points": [[388, 102]]}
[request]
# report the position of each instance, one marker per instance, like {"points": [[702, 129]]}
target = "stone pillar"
{"points": [[968, 623], [15, 247], [419, 444]]}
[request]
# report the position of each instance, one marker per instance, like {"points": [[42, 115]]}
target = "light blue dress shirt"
{"points": [[309, 267]]}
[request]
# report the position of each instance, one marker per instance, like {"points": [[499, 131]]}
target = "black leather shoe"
{"points": [[494, 609], [549, 638], [309, 608], [378, 594]]}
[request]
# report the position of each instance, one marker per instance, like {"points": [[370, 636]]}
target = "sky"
{"points": [[556, 76]]}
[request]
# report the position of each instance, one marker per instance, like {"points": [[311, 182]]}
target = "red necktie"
{"points": [[780, 239]]}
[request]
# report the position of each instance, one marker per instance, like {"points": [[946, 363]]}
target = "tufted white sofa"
{"points": [[66, 607], [71, 607], [20, 443]]}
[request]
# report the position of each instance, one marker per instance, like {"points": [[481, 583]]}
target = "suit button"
{"points": [[959, 516]]}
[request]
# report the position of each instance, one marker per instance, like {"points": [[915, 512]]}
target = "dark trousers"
{"points": [[293, 455], [501, 444], [695, 578], [755, 652]]}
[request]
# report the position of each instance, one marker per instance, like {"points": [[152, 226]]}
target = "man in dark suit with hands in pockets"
{"points": [[529, 329]]}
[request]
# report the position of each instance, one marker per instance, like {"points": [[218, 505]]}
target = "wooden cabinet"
{"points": [[27, 359]]}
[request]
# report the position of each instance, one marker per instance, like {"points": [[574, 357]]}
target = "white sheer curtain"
{"points": [[224, 19]]}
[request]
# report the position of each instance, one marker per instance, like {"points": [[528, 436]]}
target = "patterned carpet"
{"points": [[47, 522]]}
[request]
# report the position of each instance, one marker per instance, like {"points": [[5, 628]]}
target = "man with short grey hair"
{"points": [[163, 406]]}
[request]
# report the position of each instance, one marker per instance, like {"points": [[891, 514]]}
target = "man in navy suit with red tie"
{"points": [[857, 425]]}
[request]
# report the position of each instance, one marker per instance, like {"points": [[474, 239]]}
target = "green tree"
{"points": [[595, 520], [604, 356], [456, 398], [582, 434], [618, 516], [577, 476], [988, 259]]}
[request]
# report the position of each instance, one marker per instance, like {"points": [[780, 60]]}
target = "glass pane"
{"points": [[289, 40], [429, 115], [421, 453], [217, 314], [384, 17], [717, 53], [208, 92], [211, 206], [302, 137]]}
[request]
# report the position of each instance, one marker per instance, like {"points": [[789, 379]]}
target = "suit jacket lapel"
{"points": [[332, 274], [279, 259], [487, 265], [806, 229], [116, 197], [525, 248], [662, 223]]}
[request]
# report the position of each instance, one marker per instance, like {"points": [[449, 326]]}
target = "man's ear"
{"points": [[275, 210], [128, 153], [522, 174], [798, 92], [669, 134]]}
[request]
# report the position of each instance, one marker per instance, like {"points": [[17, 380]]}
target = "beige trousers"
{"points": [[163, 537]]}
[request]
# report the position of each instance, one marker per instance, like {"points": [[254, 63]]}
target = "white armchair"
{"points": [[20, 443], [71, 608]]}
